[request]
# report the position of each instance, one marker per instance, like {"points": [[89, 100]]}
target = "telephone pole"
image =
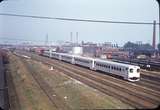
{"points": [[154, 35], [46, 40], [77, 38], [159, 18]]}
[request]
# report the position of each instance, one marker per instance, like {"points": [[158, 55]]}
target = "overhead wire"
{"points": [[18, 39], [78, 20]]}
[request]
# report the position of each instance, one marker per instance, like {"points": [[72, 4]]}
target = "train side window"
{"points": [[131, 70], [117, 69]]}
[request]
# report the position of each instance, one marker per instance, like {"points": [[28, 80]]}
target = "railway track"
{"points": [[149, 84], [143, 63], [144, 81], [150, 81], [108, 82], [150, 74], [45, 87], [126, 92], [13, 96], [4, 101]]}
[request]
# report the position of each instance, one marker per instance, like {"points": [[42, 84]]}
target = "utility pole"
{"points": [[154, 35], [159, 18], [46, 40], [71, 35], [77, 38]]}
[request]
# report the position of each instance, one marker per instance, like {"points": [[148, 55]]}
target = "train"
{"points": [[126, 71]]}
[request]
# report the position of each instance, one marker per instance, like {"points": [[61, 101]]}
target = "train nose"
{"points": [[134, 79]]}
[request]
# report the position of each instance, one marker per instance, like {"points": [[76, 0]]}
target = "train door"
{"points": [[92, 66], [73, 61], [59, 56], [50, 53]]}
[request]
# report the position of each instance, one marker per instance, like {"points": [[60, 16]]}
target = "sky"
{"points": [[113, 10]]}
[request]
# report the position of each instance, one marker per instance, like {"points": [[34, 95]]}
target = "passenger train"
{"points": [[127, 71]]}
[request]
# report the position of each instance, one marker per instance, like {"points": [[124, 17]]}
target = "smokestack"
{"points": [[77, 38], [154, 35], [71, 37]]}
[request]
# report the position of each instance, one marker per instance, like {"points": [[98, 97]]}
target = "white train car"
{"points": [[68, 58], [128, 72], [84, 61], [56, 55], [46, 53]]}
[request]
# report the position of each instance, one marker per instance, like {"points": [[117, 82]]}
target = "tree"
{"points": [[130, 45], [146, 47]]}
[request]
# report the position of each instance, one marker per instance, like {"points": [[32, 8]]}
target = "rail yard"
{"points": [[79, 55], [38, 82]]}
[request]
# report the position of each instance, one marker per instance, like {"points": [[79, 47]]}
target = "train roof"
{"points": [[96, 59], [66, 54], [115, 63], [82, 57]]}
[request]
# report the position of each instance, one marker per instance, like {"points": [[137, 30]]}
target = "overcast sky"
{"points": [[116, 10]]}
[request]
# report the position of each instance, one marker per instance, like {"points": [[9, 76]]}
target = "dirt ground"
{"points": [[69, 91]]}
